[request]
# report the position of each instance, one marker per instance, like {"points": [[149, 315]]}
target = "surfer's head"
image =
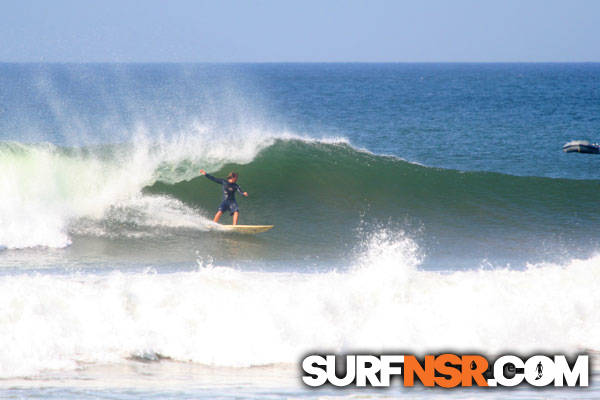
{"points": [[232, 177]]}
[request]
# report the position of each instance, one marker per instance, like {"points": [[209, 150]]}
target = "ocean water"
{"points": [[423, 207]]}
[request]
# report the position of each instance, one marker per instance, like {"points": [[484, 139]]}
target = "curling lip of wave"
{"points": [[46, 189]]}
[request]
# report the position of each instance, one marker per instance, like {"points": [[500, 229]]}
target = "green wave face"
{"points": [[322, 196]]}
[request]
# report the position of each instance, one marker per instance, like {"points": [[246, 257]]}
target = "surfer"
{"points": [[539, 370], [229, 188]]}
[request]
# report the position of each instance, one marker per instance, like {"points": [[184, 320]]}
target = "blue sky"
{"points": [[299, 31]]}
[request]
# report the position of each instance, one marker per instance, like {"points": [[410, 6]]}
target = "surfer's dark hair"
{"points": [[232, 175]]}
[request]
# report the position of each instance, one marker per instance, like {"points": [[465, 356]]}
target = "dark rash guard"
{"points": [[229, 189]]}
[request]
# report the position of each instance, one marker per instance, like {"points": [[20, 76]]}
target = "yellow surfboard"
{"points": [[246, 229]]}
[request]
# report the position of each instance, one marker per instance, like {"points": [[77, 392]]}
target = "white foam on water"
{"points": [[226, 317]]}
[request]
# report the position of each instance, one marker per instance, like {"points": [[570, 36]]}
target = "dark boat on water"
{"points": [[581, 146]]}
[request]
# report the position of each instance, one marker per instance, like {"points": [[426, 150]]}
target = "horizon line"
{"points": [[298, 62]]}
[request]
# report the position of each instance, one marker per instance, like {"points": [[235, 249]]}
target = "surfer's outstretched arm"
{"points": [[212, 178]]}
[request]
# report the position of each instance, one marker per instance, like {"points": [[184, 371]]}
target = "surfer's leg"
{"points": [[235, 211], [217, 216], [224, 206]]}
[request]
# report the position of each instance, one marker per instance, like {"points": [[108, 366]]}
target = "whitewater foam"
{"points": [[143, 216], [227, 317]]}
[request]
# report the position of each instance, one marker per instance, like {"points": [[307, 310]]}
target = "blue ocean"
{"points": [[423, 207]]}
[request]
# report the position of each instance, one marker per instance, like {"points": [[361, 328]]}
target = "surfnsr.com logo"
{"points": [[444, 370]]}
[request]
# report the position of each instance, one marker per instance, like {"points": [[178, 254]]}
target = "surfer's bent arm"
{"points": [[239, 189]]}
